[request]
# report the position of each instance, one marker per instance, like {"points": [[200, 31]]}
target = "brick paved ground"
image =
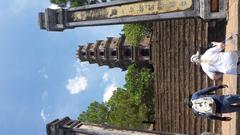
{"points": [[173, 43]]}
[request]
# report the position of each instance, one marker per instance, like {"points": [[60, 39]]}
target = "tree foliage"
{"points": [[76, 3], [128, 106], [139, 84], [136, 32], [59, 2], [96, 113], [125, 112]]}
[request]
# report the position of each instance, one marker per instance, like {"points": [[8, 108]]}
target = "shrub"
{"points": [[136, 32]]}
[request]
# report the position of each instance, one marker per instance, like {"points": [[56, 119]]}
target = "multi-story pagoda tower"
{"points": [[116, 52]]}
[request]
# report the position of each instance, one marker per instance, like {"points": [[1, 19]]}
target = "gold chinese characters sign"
{"points": [[134, 9]]}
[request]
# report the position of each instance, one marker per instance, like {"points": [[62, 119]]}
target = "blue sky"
{"points": [[40, 76]]}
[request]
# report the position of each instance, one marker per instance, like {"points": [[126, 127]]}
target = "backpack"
{"points": [[205, 105]]}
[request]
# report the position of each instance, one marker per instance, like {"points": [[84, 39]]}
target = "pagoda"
{"points": [[116, 52]]}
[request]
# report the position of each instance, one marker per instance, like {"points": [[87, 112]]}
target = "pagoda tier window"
{"points": [[101, 53], [91, 53], [83, 53], [144, 52], [114, 53], [57, 18], [128, 52]]}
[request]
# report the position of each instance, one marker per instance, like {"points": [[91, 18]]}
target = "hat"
{"points": [[195, 57]]}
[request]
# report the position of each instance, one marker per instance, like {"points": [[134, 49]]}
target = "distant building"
{"points": [[116, 52]]}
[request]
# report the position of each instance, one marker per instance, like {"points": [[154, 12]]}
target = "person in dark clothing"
{"points": [[222, 103]]}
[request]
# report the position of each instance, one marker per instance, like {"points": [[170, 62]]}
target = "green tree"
{"points": [[124, 111], [128, 106], [139, 81], [136, 32], [58, 2], [76, 3], [96, 113]]}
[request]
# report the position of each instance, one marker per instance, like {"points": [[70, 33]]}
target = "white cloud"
{"points": [[42, 114], [105, 77], [109, 92], [54, 6], [44, 95], [81, 67], [77, 84], [45, 76], [43, 73], [42, 70]]}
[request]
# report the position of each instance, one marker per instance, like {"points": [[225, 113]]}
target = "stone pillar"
{"points": [[66, 126], [128, 11], [59, 127]]}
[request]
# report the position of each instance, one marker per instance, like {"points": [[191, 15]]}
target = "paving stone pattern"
{"points": [[173, 43]]}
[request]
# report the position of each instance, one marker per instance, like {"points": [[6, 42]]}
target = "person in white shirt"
{"points": [[216, 63]]}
